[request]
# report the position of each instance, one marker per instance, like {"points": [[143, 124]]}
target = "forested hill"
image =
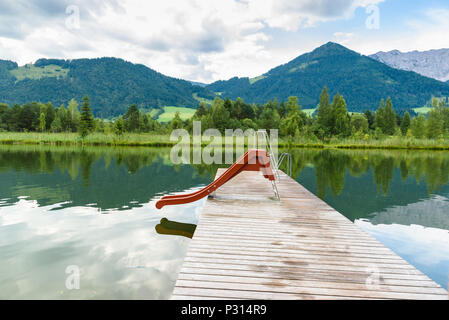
{"points": [[361, 80], [112, 85]]}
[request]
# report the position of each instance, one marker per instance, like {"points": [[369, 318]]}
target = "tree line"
{"points": [[332, 119]]}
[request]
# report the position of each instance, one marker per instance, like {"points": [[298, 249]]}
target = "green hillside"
{"points": [[169, 113], [112, 85], [423, 110], [361, 80], [30, 71]]}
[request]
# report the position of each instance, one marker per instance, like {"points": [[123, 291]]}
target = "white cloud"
{"points": [[343, 37], [427, 246], [193, 39], [120, 254]]}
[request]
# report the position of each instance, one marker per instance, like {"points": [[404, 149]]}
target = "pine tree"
{"points": [[119, 126], [131, 118], [405, 123], [369, 116], [202, 110], [219, 115], [50, 114], [292, 105], [176, 122], [87, 119], [42, 123], [389, 118], [247, 110], [340, 117], [269, 118], [234, 110], [74, 113], [418, 126], [435, 123], [324, 112], [379, 117]]}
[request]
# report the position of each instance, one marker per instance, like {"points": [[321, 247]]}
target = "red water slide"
{"points": [[252, 160]]}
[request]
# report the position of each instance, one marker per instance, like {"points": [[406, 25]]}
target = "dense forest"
{"points": [[112, 85], [332, 119], [361, 80]]}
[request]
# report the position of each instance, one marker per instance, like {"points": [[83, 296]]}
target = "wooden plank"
{"points": [[354, 279], [306, 283], [344, 247], [249, 246], [251, 295], [300, 231], [262, 256], [295, 271], [275, 250], [309, 291], [302, 264], [308, 238]]}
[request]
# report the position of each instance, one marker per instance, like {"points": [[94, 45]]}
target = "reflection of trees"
{"points": [[208, 170], [404, 169], [383, 169], [330, 170], [300, 159], [437, 173], [330, 165], [46, 171], [46, 159], [86, 162], [359, 163]]}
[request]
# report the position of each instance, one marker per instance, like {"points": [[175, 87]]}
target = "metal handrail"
{"points": [[276, 163], [289, 162], [270, 152]]}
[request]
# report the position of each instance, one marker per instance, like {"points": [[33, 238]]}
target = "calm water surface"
{"points": [[94, 208], [399, 197]]}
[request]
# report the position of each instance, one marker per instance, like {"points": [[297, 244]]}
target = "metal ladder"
{"points": [[274, 163], [269, 149], [287, 156]]}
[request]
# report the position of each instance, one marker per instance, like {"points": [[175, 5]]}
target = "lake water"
{"points": [[92, 210]]}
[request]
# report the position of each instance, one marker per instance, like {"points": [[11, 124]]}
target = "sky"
{"points": [[209, 40]]}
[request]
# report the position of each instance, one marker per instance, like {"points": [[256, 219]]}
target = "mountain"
{"points": [[362, 81], [432, 63], [112, 85]]}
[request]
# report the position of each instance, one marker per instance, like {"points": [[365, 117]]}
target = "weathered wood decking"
{"points": [[249, 246]]}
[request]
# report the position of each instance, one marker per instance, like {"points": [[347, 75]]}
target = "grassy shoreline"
{"points": [[161, 140]]}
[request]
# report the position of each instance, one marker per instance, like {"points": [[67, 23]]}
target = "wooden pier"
{"points": [[248, 245]]}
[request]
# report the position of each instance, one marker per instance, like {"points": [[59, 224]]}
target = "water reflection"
{"points": [[58, 174], [432, 213], [400, 197], [331, 167], [52, 201], [110, 178], [50, 218], [425, 248], [120, 256]]}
